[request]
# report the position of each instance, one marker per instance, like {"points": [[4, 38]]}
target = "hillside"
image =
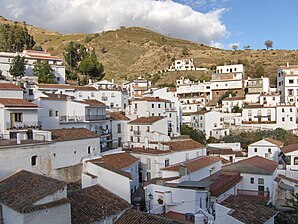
{"points": [[130, 52]]}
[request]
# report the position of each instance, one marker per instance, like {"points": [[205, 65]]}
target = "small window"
{"points": [[152, 105], [148, 128], [252, 180], [256, 150], [56, 113], [283, 119], [118, 128], [33, 160], [50, 113], [92, 94], [30, 92], [291, 110], [89, 149], [283, 110], [269, 150], [291, 119], [261, 181], [186, 156], [296, 161], [167, 162], [159, 105]]}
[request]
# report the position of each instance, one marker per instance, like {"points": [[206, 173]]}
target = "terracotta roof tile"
{"points": [[23, 189], [274, 141], [9, 86], [146, 120], [66, 86], [92, 103], [183, 144], [290, 148], [11, 102], [89, 204], [248, 211], [118, 116], [223, 183], [52, 96], [194, 164], [117, 160], [254, 165], [234, 98], [201, 112], [152, 99], [219, 151], [68, 134], [137, 217], [147, 151]]}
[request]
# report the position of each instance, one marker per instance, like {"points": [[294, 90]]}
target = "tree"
{"points": [[236, 109], [268, 44], [17, 68], [91, 67], [293, 204], [74, 53], [246, 47], [235, 46], [44, 71], [196, 135]]}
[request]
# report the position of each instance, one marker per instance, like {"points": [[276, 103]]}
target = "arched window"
{"points": [[296, 161]]}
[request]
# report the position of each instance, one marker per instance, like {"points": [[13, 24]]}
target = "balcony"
{"points": [[254, 195], [23, 125], [71, 119], [96, 117]]}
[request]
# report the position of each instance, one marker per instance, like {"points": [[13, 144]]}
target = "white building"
{"points": [[31, 57], [120, 166], [289, 157], [226, 69], [9, 90], [158, 155], [184, 65], [258, 85], [137, 88], [230, 102], [258, 177], [112, 95], [29, 198], [209, 122], [269, 117], [153, 107], [17, 115], [268, 148], [287, 83], [270, 99], [57, 153], [120, 131]]}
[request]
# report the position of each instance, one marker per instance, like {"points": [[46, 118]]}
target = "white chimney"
{"points": [[18, 138], [90, 81], [288, 64], [113, 81]]}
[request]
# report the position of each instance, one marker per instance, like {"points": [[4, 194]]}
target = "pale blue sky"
{"points": [[251, 22]]}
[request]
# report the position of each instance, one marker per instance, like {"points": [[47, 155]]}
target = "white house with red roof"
{"points": [[105, 170], [268, 148], [120, 129], [156, 107], [16, 116], [289, 159], [10, 90], [31, 57]]}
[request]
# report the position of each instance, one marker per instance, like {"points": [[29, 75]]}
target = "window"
{"points": [[30, 92], [92, 94], [291, 81], [50, 113], [113, 95], [167, 162], [148, 176], [148, 128], [261, 181], [283, 110], [252, 180], [131, 138], [118, 128], [138, 139], [159, 105], [131, 128], [56, 113], [89, 149], [296, 161], [152, 114], [291, 119], [269, 150], [291, 110], [256, 150], [170, 114], [33, 160], [152, 105], [283, 119], [215, 125], [18, 117], [148, 162], [80, 94]]}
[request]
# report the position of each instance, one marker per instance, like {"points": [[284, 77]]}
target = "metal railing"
{"points": [[95, 117], [71, 119], [23, 125]]}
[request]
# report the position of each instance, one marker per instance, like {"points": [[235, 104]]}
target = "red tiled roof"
{"points": [[44, 57], [23, 189], [69, 134], [66, 86], [52, 96], [255, 165], [10, 86], [92, 103], [194, 164], [11, 102], [290, 148], [183, 144], [117, 160], [146, 120], [201, 112], [274, 141], [118, 116], [89, 204], [136, 217], [234, 98], [147, 150], [223, 183], [152, 99]]}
